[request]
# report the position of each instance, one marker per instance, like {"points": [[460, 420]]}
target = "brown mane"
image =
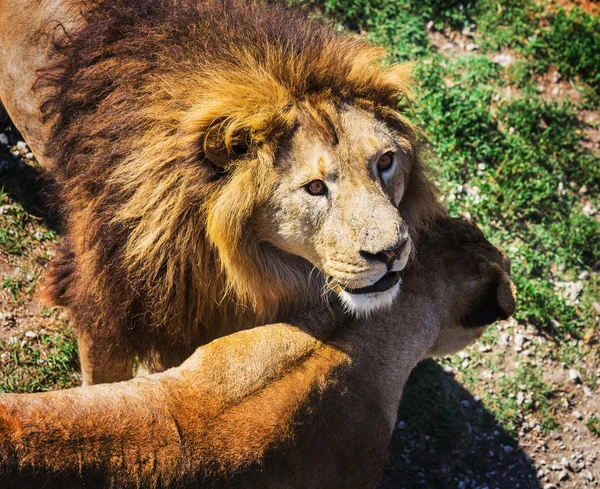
{"points": [[158, 230]]}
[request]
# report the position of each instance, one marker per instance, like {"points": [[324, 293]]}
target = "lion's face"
{"points": [[340, 179]]}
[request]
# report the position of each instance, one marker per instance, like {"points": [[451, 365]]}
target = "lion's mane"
{"points": [[158, 251]]}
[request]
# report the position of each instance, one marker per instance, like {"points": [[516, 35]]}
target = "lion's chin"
{"points": [[366, 304]]}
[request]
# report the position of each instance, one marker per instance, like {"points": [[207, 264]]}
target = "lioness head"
{"points": [[479, 292]]}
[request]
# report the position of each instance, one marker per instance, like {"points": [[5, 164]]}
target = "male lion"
{"points": [[223, 164], [308, 404]]}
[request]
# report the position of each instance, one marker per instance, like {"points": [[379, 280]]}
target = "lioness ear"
{"points": [[221, 146], [497, 301]]}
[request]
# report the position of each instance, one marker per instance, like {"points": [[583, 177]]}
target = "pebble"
{"points": [[7, 317], [401, 425], [549, 486], [577, 415], [586, 474], [574, 376], [563, 476], [22, 147], [504, 60], [3, 139], [472, 47], [584, 275], [30, 334], [519, 339]]}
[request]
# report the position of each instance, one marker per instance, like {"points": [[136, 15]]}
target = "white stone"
{"points": [[574, 376], [504, 60]]}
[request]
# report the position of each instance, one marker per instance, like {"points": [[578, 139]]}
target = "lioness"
{"points": [[308, 404], [223, 164]]}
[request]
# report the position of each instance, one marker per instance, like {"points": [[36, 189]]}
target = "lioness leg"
{"points": [[96, 368]]}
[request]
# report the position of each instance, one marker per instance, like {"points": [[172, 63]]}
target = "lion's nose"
{"points": [[386, 256]]}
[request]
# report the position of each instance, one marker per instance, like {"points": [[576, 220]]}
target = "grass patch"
{"points": [[46, 362], [593, 424]]}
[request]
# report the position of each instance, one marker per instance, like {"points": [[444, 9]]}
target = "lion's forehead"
{"points": [[359, 138]]}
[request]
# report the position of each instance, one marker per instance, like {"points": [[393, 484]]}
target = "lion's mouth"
{"points": [[384, 283]]}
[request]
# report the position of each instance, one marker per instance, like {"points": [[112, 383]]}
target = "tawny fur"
{"points": [[308, 404], [136, 96]]}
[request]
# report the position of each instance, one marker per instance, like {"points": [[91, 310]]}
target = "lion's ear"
{"points": [[222, 146]]}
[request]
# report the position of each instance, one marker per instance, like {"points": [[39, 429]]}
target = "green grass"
{"points": [[46, 362], [13, 285], [593, 424]]}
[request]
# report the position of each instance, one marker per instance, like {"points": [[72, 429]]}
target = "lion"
{"points": [[223, 164], [310, 403]]}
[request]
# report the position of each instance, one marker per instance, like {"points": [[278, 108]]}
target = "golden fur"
{"points": [[307, 404], [168, 122]]}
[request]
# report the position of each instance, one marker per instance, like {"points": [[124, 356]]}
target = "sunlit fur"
{"points": [[306, 404], [160, 240]]}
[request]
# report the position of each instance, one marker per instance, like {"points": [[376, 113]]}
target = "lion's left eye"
{"points": [[385, 162]]}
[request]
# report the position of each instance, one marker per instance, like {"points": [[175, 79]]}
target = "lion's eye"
{"points": [[385, 162], [316, 187]]}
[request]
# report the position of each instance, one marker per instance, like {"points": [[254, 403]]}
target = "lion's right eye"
{"points": [[316, 187]]}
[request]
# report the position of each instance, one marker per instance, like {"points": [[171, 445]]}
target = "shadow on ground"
{"points": [[29, 185], [446, 439]]}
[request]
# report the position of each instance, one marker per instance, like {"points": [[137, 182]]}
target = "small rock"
{"points": [[520, 398], [583, 190], [22, 147], [586, 474], [7, 317], [577, 415], [519, 339], [504, 60], [448, 369], [556, 76], [508, 449], [588, 337], [563, 476], [466, 404], [471, 47], [30, 334], [574, 376], [3, 139], [430, 25], [401, 425], [549, 486]]}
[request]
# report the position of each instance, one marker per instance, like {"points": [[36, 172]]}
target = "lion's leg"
{"points": [[99, 368]]}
